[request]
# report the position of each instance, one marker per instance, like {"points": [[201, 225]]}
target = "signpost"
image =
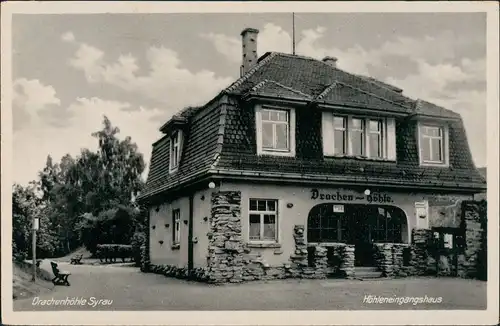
{"points": [[33, 247]]}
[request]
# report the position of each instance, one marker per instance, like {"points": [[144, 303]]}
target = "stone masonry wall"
{"points": [[473, 263], [421, 257], [145, 249], [230, 259], [225, 261], [389, 259]]}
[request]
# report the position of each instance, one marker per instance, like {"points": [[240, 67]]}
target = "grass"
{"points": [[23, 286]]}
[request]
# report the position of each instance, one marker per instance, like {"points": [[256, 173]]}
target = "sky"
{"points": [[139, 69]]}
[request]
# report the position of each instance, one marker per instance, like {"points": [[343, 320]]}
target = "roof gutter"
{"points": [[339, 180]]}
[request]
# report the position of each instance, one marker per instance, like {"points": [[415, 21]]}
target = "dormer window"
{"points": [[175, 150], [357, 133], [275, 131], [433, 144], [362, 137], [375, 138]]}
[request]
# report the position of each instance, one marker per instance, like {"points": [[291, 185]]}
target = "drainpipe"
{"points": [[190, 235]]}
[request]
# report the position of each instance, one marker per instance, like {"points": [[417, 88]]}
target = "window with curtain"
{"points": [[263, 220]]}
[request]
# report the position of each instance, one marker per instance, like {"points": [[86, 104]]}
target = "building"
{"points": [[300, 169]]}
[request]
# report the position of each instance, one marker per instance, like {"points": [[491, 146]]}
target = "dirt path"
{"points": [[129, 289]]}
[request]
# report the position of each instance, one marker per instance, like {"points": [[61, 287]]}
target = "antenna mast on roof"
{"points": [[293, 33]]}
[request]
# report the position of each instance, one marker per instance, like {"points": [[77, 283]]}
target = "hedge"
{"points": [[111, 252]]}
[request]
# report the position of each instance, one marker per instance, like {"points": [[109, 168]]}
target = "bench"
{"points": [[76, 260], [61, 277]]}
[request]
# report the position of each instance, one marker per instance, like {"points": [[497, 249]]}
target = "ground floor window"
{"points": [[263, 220], [355, 223], [176, 220]]}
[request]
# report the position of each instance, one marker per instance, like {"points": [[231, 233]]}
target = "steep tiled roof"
{"points": [[313, 77], [221, 135], [425, 108], [198, 153], [273, 89], [240, 155]]}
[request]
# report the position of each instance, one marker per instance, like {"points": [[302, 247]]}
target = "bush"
{"points": [[138, 240], [110, 252]]}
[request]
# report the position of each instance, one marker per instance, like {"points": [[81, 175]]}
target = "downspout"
{"points": [[190, 236]]}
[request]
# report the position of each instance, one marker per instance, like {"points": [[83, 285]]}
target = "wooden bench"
{"points": [[77, 260], [61, 277]]}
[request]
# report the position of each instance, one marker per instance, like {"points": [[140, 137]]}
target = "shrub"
{"points": [[110, 252], [138, 240]]}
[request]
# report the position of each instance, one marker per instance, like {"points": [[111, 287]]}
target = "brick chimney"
{"points": [[249, 44], [332, 61]]}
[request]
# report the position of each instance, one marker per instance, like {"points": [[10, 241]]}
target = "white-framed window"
{"points": [[375, 138], [432, 144], [176, 226], [275, 131], [175, 150], [263, 220], [340, 135], [357, 137], [368, 137]]}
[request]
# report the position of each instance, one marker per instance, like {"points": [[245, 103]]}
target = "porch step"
{"points": [[367, 272]]}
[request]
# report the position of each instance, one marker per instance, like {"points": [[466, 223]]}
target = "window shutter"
{"points": [[327, 130], [181, 145], [170, 151], [391, 139], [446, 145]]}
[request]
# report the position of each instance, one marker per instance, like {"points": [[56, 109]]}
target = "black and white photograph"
{"points": [[251, 159]]}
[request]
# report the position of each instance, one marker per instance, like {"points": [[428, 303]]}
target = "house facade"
{"points": [[300, 169]]}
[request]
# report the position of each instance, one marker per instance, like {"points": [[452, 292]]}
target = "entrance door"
{"points": [[359, 227]]}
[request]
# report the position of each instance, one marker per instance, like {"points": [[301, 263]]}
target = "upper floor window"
{"points": [[358, 136], [375, 138], [175, 150], [275, 131], [340, 135], [433, 147]]}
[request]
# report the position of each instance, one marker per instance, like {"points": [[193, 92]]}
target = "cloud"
{"points": [[39, 140], [68, 37], [449, 86], [31, 101], [166, 81]]}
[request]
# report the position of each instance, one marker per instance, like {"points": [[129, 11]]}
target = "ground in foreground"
{"points": [[126, 288]]}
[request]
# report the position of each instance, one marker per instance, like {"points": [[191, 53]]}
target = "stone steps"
{"points": [[367, 273]]}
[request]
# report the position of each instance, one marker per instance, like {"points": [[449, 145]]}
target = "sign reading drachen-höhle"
{"points": [[339, 196]]}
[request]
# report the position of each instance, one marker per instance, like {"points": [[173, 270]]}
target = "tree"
{"points": [[88, 199], [26, 206], [111, 180]]}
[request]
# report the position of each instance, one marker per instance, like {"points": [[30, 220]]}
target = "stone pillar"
{"points": [[420, 255], [320, 262], [475, 237], [145, 248], [299, 257], [225, 248], [348, 258], [145, 263], [397, 259]]}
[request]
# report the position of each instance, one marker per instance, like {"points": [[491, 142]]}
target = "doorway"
{"points": [[360, 225]]}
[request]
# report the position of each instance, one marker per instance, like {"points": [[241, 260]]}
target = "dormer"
{"points": [[433, 135], [175, 129], [359, 136]]}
